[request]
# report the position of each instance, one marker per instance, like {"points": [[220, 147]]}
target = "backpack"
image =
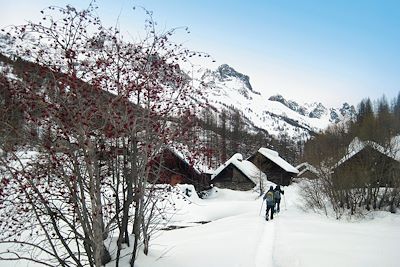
{"points": [[277, 194], [269, 197]]}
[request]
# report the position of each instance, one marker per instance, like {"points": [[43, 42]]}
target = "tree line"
{"points": [[228, 132]]}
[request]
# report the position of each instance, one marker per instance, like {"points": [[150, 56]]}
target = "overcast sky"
{"points": [[327, 51]]}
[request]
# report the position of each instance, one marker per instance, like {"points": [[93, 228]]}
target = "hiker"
{"points": [[269, 198], [277, 197]]}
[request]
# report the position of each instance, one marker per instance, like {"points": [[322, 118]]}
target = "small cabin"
{"points": [[238, 174], [306, 170], [171, 167], [278, 170]]}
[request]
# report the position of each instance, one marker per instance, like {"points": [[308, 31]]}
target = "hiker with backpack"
{"points": [[269, 198], [277, 197]]}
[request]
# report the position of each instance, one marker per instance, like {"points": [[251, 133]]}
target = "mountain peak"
{"points": [[278, 98], [318, 111], [347, 110], [288, 103], [225, 72]]}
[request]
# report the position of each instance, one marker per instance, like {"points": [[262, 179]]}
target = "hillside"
{"points": [[227, 89], [237, 118]]}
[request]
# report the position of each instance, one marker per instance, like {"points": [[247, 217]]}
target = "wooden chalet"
{"points": [[276, 168], [306, 170], [367, 163], [171, 167], [238, 174]]}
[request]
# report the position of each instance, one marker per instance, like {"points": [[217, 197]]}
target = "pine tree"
{"points": [[366, 120], [223, 152], [384, 122]]}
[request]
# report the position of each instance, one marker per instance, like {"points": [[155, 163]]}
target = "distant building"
{"points": [[276, 168], [238, 174], [367, 163], [171, 167], [306, 170]]}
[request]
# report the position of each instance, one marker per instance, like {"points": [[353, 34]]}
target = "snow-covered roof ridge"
{"points": [[307, 167], [274, 156], [246, 167], [234, 158], [180, 154], [301, 165], [186, 155]]}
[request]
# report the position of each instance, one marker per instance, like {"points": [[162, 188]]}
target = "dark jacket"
{"points": [[277, 193]]}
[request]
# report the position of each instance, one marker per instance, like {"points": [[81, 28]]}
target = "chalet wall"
{"points": [[232, 178]]}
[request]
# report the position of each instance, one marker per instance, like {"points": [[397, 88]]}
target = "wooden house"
{"points": [[367, 162], [308, 171], [278, 170], [239, 174], [171, 167]]}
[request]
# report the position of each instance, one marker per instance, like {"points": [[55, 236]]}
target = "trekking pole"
{"points": [[262, 204], [284, 200]]}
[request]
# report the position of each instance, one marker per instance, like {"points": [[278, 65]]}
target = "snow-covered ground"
{"points": [[237, 235]]}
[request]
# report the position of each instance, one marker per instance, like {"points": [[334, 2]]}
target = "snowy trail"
{"points": [[264, 252], [241, 240]]}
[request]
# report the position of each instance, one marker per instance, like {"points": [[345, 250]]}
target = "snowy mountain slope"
{"points": [[228, 89], [317, 110]]}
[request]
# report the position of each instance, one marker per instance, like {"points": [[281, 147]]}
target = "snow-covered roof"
{"points": [[274, 156], [358, 145], [307, 167], [185, 154], [246, 167], [395, 146]]}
